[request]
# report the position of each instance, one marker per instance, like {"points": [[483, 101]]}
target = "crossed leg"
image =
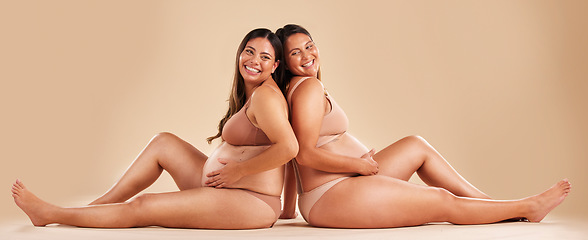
{"points": [[167, 152], [202, 207], [383, 202], [414, 154]]}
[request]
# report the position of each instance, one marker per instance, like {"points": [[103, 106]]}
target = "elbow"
{"points": [[291, 149], [303, 157], [286, 150]]}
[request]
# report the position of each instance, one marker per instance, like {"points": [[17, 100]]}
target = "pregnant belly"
{"points": [[268, 182], [343, 144]]}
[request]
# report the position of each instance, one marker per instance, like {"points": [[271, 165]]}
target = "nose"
{"points": [[305, 55], [255, 59]]}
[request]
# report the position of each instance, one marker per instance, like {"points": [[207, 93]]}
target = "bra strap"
{"points": [[276, 90], [273, 88], [293, 88]]}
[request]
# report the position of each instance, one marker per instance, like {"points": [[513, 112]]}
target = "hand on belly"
{"points": [[226, 153], [228, 156], [346, 145]]}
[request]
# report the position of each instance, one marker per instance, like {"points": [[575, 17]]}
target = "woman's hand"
{"points": [[288, 214], [369, 166], [225, 176]]}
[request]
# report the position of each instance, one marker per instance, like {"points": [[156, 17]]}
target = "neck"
{"points": [[250, 87]]}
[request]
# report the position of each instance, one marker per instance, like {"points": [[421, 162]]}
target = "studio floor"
{"points": [[553, 227]]}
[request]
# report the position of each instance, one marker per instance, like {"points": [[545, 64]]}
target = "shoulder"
{"points": [[267, 105], [267, 98], [304, 86], [266, 93]]}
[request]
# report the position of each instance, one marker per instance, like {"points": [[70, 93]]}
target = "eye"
{"points": [[248, 51], [309, 46], [265, 57], [295, 53]]}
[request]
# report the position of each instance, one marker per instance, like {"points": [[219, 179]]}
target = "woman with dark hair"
{"points": [[237, 187], [342, 184]]}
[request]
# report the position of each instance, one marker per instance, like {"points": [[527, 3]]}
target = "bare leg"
{"points": [[195, 208], [379, 202], [413, 154], [164, 152]]}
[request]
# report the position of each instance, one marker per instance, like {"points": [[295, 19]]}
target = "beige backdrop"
{"points": [[498, 87]]}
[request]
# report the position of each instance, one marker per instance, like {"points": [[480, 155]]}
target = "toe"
{"points": [[15, 189], [20, 184]]}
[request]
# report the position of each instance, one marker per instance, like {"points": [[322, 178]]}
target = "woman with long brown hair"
{"points": [[342, 184], [237, 187]]}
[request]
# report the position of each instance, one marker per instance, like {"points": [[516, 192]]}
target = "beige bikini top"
{"points": [[335, 121], [240, 131]]}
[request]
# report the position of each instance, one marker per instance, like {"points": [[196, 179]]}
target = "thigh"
{"points": [[204, 207], [180, 159], [378, 202], [402, 158]]}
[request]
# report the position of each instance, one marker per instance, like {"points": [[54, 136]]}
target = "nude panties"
{"points": [[307, 200], [273, 201]]}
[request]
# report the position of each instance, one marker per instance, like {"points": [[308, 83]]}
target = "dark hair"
{"points": [[237, 98], [284, 33]]}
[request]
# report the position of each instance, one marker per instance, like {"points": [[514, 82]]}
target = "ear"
{"points": [[276, 64]]}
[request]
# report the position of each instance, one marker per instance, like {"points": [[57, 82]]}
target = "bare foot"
{"points": [[34, 207], [548, 200]]}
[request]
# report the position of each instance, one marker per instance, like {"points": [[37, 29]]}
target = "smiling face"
{"points": [[302, 55], [257, 61]]}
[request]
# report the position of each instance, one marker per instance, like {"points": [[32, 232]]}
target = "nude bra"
{"points": [[335, 121], [240, 131]]}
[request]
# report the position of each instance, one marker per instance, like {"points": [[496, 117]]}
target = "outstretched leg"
{"points": [[164, 152], [195, 208], [381, 202], [414, 154]]}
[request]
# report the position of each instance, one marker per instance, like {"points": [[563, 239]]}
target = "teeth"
{"points": [[308, 63], [252, 69]]}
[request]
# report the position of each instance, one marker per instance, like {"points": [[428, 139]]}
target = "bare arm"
{"points": [[270, 114], [308, 110], [290, 192]]}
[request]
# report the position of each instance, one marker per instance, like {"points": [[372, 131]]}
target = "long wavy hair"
{"points": [[284, 33], [237, 98]]}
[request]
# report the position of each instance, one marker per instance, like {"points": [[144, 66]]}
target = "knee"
{"points": [[445, 195], [140, 201], [446, 204], [164, 138], [416, 141], [135, 208]]}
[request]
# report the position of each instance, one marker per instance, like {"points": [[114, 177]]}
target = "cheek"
{"points": [[269, 65], [241, 58], [291, 63], [315, 52]]}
